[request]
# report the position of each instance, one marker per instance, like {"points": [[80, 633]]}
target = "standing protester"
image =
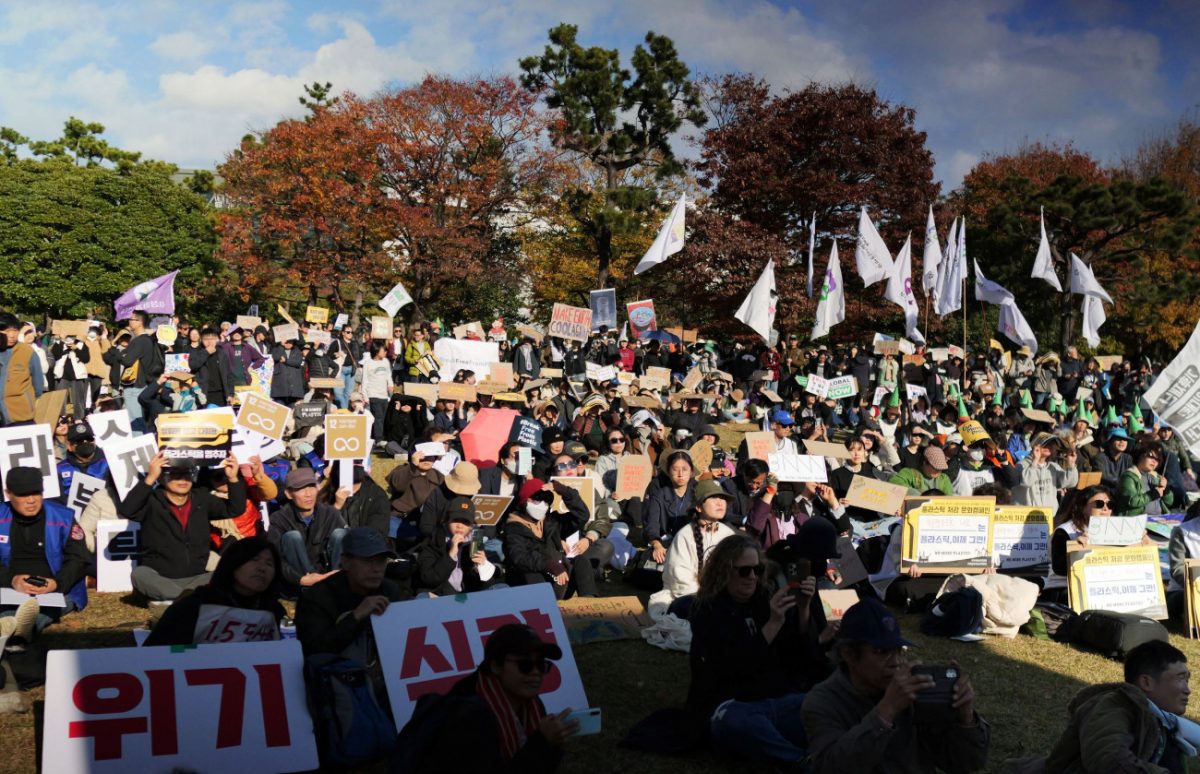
{"points": [[142, 362], [21, 377]]}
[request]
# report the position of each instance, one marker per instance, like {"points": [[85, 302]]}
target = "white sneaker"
{"points": [[26, 619], [8, 625]]}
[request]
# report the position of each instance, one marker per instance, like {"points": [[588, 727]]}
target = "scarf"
{"points": [[1170, 727], [536, 527], [513, 730]]}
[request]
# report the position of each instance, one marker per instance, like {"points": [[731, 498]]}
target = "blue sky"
{"points": [[184, 81]]}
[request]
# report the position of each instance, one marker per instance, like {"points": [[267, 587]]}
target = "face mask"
{"points": [[511, 467], [537, 510], [976, 455], [92, 335], [85, 449]]}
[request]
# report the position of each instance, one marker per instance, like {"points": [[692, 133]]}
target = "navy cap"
{"points": [[79, 432], [22, 481], [512, 639], [870, 622], [366, 542]]}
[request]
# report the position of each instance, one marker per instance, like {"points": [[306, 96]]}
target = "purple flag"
{"points": [[156, 296]]}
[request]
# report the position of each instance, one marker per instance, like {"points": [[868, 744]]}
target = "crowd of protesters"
{"points": [[771, 678]]}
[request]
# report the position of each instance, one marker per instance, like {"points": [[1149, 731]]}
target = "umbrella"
{"points": [[663, 336]]}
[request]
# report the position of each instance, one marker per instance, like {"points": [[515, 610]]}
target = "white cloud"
{"points": [[182, 46]]}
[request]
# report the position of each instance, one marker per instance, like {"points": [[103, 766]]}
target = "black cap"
{"points": [[551, 435], [512, 639], [79, 432], [22, 482], [366, 542], [461, 509], [868, 621]]}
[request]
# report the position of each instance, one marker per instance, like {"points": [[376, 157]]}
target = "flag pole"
{"points": [[964, 308], [927, 317]]}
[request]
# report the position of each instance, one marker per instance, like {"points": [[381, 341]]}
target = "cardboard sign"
{"points": [[692, 380], [49, 407], [634, 473], [603, 619], [573, 323], [551, 373], [837, 451], [875, 495], [456, 354], [237, 707], [586, 487], [817, 385], [381, 328], [946, 535], [489, 509], [65, 328], [887, 348], [1037, 415], [426, 392], [129, 460], [30, 446], [1085, 479], [1121, 580], [248, 323], [460, 392], [196, 437], [83, 489], [798, 467], [503, 373], [848, 568], [842, 387], [1021, 538], [118, 546], [427, 645], [289, 332], [347, 437], [262, 415], [760, 445], [316, 314], [836, 602], [311, 414], [1116, 530]]}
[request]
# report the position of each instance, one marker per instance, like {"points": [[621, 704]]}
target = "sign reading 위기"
{"points": [[573, 323], [949, 534]]}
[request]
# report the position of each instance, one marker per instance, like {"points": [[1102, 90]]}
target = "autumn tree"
{"points": [[617, 121]]}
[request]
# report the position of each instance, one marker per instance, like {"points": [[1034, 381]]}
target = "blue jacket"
{"points": [[59, 523], [70, 466]]}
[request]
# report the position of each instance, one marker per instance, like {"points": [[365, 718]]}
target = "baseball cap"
{"points": [[79, 432], [366, 542], [551, 435], [936, 458], [782, 417], [575, 449], [868, 621], [707, 489], [512, 639], [461, 509], [300, 478], [23, 481], [1043, 438]]}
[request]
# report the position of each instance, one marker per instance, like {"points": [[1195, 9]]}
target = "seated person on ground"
{"points": [[535, 542], [307, 534], [689, 547], [452, 560]]}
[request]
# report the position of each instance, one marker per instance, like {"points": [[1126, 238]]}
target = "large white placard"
{"points": [[117, 549], [109, 426], [30, 446], [83, 489], [427, 645], [129, 460], [798, 467], [455, 354]]}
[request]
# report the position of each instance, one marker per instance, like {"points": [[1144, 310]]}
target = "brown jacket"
{"points": [[95, 364], [410, 488], [19, 396]]}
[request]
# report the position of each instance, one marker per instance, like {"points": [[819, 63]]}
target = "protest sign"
{"points": [[319, 337], [396, 299], [312, 414], [760, 445], [316, 314], [456, 354], [1037, 415], [948, 534], [692, 380], [954, 351], [283, 312], [604, 308], [634, 473], [1021, 538], [30, 446], [263, 415], [83, 489], [427, 645], [887, 348], [939, 354], [341, 321], [972, 432], [527, 432], [837, 451], [503, 373], [248, 322], [584, 485], [248, 444], [238, 707], [572, 323], [524, 460], [65, 328], [118, 546], [429, 365], [426, 392], [176, 363], [1116, 530], [603, 619], [797, 467], [289, 332], [836, 602], [196, 437], [875, 495], [347, 437], [1121, 580], [880, 394], [655, 378], [381, 328], [1085, 479], [641, 317], [848, 568], [461, 392], [817, 385], [1106, 362], [551, 373], [842, 387], [914, 391], [49, 407], [489, 509], [129, 460]]}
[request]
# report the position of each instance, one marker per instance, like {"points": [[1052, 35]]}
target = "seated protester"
{"points": [[308, 534], [1142, 488], [451, 561], [463, 481], [42, 551], [553, 442], [260, 488], [333, 616], [1129, 726], [238, 605], [405, 422], [931, 474], [668, 508], [502, 478], [812, 500], [973, 471], [83, 456], [781, 424], [745, 489], [841, 477], [496, 708], [862, 717], [685, 557], [535, 542], [451, 418], [176, 519], [366, 504], [1114, 461], [1041, 478], [1183, 545], [745, 656]]}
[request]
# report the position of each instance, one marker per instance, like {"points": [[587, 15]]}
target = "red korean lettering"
{"points": [[233, 700], [274, 706], [164, 733], [417, 651], [107, 734], [460, 645]]}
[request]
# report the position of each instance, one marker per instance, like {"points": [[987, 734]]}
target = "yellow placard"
{"points": [[945, 535], [1125, 579], [316, 314]]}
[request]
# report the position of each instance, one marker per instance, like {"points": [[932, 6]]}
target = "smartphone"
{"points": [[35, 580], [475, 546], [589, 721], [942, 692], [796, 572]]}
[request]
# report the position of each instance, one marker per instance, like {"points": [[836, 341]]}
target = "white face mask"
{"points": [[537, 510], [511, 467], [93, 335], [976, 455]]}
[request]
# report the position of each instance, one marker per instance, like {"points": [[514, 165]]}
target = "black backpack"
{"points": [[954, 614], [1111, 634]]}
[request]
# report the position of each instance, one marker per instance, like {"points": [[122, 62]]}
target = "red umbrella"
{"points": [[488, 431]]}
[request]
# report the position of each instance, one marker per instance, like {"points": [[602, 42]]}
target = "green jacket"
{"points": [[919, 485], [1133, 496]]}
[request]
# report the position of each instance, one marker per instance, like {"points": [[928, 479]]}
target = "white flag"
{"points": [[1014, 326], [931, 258], [988, 291], [1175, 394], [1093, 318], [669, 240], [871, 256], [758, 310], [1084, 281], [899, 291], [831, 308], [812, 243], [949, 297], [1043, 264]]}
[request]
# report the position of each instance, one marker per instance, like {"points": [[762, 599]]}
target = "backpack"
{"points": [[954, 614], [1114, 634], [352, 725]]}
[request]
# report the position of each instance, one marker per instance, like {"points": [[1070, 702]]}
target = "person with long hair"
{"points": [[668, 508], [746, 677], [1071, 524], [1142, 488], [685, 557]]}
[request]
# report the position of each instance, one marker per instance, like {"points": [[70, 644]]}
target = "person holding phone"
{"points": [[452, 560]]}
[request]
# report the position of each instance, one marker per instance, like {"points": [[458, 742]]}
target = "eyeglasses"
{"points": [[745, 570], [1100, 503], [527, 665], [562, 466], [616, 440]]}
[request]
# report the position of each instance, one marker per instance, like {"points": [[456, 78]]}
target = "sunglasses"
{"points": [[745, 570], [616, 440], [528, 665], [560, 467], [1100, 503]]}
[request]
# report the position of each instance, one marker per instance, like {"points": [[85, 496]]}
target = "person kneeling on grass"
{"points": [[239, 604], [1129, 726], [868, 716]]}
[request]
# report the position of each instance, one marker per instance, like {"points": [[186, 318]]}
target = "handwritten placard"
{"points": [[1116, 530], [798, 467], [875, 495], [634, 472], [760, 445]]}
